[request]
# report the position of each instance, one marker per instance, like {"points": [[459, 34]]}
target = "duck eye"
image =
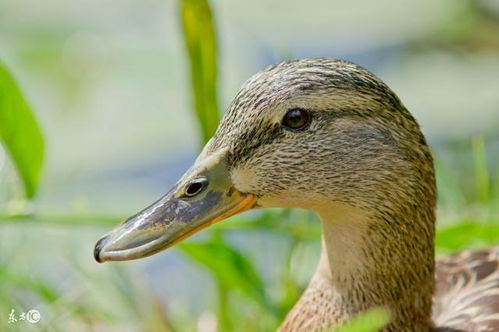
{"points": [[296, 119]]}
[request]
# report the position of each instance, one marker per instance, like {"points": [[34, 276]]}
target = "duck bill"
{"points": [[176, 216]]}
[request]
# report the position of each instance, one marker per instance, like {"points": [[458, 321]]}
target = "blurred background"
{"points": [[114, 86]]}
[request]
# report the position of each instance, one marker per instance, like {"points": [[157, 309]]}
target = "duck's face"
{"points": [[306, 134], [303, 151]]}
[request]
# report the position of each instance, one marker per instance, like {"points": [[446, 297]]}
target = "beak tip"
{"points": [[98, 248]]}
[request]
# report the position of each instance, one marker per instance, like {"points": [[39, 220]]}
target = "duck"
{"points": [[331, 137]]}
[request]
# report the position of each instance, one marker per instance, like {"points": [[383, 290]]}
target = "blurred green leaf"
{"points": [[20, 133], [450, 194], [291, 288], [228, 266], [44, 290], [300, 224], [466, 234], [62, 219], [200, 41], [482, 178], [369, 321]]}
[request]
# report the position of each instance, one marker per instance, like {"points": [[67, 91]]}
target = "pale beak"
{"points": [[204, 196]]}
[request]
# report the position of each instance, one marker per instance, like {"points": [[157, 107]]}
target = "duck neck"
{"points": [[368, 261]]}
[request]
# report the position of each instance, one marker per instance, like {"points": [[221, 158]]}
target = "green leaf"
{"points": [[369, 321], [44, 290], [200, 41], [300, 224], [20, 133], [228, 266], [467, 234], [450, 193], [482, 178]]}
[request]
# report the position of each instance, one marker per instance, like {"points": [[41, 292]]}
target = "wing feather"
{"points": [[467, 291]]}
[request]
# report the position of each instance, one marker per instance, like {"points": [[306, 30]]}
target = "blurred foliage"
{"points": [[20, 133], [472, 27], [370, 321], [246, 300], [467, 234], [482, 178], [232, 271], [200, 41]]}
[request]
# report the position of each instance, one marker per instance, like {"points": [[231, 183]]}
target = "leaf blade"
{"points": [[200, 42], [20, 133], [228, 266], [369, 321]]}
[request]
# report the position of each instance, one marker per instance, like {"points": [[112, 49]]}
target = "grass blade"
{"points": [[20, 133], [482, 178], [200, 41], [228, 266], [369, 321]]}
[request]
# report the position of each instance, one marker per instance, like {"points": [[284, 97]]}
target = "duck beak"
{"points": [[204, 196]]}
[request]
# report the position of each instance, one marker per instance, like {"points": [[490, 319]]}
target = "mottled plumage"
{"points": [[364, 166], [467, 291]]}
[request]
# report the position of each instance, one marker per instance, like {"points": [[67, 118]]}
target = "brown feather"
{"points": [[467, 291]]}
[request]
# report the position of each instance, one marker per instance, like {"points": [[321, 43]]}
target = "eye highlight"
{"points": [[296, 119]]}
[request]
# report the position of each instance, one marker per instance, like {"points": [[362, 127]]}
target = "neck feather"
{"points": [[369, 261]]}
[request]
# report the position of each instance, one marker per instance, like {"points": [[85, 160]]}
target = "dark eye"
{"points": [[296, 119]]}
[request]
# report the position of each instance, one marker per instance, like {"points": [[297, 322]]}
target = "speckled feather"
{"points": [[365, 154], [467, 291]]}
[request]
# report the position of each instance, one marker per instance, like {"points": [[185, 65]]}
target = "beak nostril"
{"points": [[195, 187]]}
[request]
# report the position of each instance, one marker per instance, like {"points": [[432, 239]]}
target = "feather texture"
{"points": [[467, 291], [363, 164]]}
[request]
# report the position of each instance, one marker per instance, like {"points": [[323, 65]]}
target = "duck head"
{"points": [[316, 134]]}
